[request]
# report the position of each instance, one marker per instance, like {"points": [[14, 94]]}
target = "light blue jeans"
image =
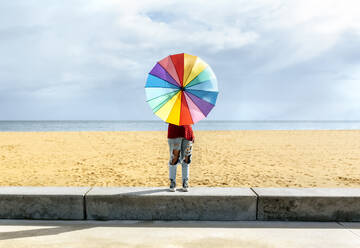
{"points": [[185, 147]]}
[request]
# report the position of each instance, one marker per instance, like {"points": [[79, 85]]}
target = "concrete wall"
{"points": [[308, 204], [107, 203], [160, 204], [42, 202]]}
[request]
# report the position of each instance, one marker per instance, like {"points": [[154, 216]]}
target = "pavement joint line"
{"points": [[347, 229], [84, 203], [257, 202]]}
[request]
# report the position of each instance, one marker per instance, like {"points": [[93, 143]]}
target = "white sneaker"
{"points": [[185, 187], [172, 185]]}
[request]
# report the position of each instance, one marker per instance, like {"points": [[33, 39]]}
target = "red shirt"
{"points": [[185, 131]]}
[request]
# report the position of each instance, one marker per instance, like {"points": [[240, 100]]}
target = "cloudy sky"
{"points": [[88, 60]]}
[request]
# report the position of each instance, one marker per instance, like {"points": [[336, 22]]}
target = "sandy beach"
{"points": [[306, 158]]}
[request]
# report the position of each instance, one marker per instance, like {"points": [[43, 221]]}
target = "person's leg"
{"points": [[174, 148], [186, 152]]}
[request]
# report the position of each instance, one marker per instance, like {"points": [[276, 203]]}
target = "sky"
{"points": [[89, 60]]}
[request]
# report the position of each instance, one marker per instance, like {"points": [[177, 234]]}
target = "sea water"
{"points": [[30, 126]]}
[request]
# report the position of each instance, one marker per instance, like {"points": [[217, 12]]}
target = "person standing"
{"points": [[180, 140]]}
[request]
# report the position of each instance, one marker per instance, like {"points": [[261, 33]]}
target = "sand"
{"points": [[306, 158]]}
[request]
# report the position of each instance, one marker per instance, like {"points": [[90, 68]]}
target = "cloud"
{"points": [[89, 59]]}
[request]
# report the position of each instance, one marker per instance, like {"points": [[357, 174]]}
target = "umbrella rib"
{"points": [[166, 111], [209, 75], [162, 94], [164, 101], [172, 111], [191, 96], [177, 84], [210, 92], [186, 87], [195, 111], [198, 64], [202, 90], [185, 105]]}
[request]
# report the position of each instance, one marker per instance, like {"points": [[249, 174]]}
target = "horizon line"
{"points": [[195, 123]]}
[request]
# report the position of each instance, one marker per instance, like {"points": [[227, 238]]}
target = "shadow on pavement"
{"points": [[41, 231], [81, 224], [61, 226], [144, 192]]}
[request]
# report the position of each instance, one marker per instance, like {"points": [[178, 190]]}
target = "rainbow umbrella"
{"points": [[181, 89]]}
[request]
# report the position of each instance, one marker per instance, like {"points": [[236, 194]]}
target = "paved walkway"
{"points": [[110, 234]]}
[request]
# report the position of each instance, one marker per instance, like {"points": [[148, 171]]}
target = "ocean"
{"points": [[32, 126]]}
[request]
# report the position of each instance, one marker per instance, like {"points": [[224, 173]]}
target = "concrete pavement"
{"points": [[116, 233]]}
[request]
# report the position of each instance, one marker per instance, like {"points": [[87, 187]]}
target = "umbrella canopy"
{"points": [[181, 89]]}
